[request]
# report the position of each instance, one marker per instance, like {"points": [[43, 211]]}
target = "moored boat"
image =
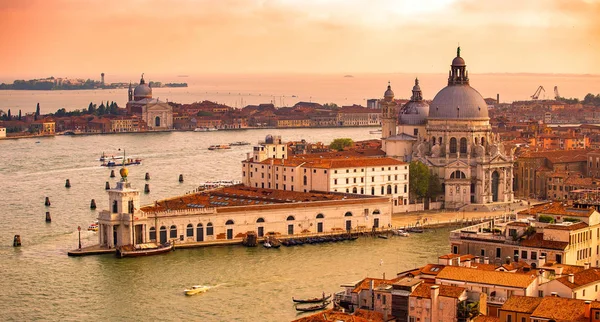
{"points": [[313, 300], [93, 226], [401, 233], [143, 250], [196, 289], [204, 129], [125, 162], [313, 307], [239, 143], [375, 131]]}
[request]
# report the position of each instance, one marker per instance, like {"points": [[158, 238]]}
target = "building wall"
{"points": [[2, 132], [503, 315]]}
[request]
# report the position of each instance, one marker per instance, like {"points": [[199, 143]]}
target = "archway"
{"points": [[229, 225], [199, 233], [290, 220], [260, 228], [157, 121], [163, 234], [495, 185]]}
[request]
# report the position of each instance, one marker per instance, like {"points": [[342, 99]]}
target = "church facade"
{"points": [[457, 142], [158, 115]]}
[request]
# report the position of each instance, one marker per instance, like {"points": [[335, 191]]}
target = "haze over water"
{"points": [[241, 90], [39, 281]]}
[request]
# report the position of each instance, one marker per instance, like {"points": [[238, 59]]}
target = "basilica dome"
{"points": [[414, 112], [142, 90], [458, 100]]}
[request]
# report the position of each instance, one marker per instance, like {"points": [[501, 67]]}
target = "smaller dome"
{"points": [[414, 113], [389, 94], [142, 90], [458, 61], [269, 139], [124, 172]]}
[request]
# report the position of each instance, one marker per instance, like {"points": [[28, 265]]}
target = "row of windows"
{"points": [[584, 253], [383, 190], [581, 237], [362, 179], [372, 169], [524, 253]]}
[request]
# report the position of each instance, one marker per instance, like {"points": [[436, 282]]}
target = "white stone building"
{"points": [[457, 144], [228, 213], [2, 132]]}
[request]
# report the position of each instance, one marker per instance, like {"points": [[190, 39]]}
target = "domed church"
{"points": [[458, 143], [158, 115]]}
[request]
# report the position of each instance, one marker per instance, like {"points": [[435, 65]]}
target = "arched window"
{"points": [[209, 229], [115, 207], [152, 234], [189, 231], [290, 218], [348, 214], [362, 191], [382, 190], [157, 121], [320, 216], [376, 212], [458, 175], [347, 191], [453, 145], [259, 220], [389, 189], [130, 206], [173, 232], [463, 145], [354, 190], [229, 222], [483, 141], [433, 140]]}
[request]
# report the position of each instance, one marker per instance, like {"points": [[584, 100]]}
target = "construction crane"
{"points": [[556, 95], [538, 91]]}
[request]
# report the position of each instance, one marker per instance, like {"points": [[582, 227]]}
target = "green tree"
{"points": [[204, 113], [19, 115], [341, 143], [9, 116], [37, 109], [435, 186], [419, 178], [91, 108], [330, 106], [101, 109]]}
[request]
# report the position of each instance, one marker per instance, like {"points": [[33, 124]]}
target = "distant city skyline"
{"points": [[78, 38]]}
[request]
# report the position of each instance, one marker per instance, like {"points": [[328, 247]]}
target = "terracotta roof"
{"points": [[537, 240], [483, 267], [559, 156], [334, 316], [521, 304], [424, 291], [449, 256], [556, 208], [575, 226], [518, 223], [431, 269], [560, 309], [486, 277], [567, 269], [582, 278], [365, 284]]}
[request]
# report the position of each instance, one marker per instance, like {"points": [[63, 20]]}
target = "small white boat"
{"points": [[375, 131], [196, 289], [401, 233]]}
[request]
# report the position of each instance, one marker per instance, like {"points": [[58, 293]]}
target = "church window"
{"points": [[389, 189], [440, 140], [372, 191], [416, 132], [453, 145], [433, 140], [395, 188], [157, 121], [463, 145]]}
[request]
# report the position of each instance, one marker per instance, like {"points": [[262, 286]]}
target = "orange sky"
{"points": [[81, 38]]}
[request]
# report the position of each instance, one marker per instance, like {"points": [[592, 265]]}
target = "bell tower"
{"points": [[389, 115]]}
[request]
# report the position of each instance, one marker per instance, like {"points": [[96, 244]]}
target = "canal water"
{"points": [[40, 282]]}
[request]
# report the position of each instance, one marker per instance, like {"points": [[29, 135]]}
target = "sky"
{"points": [[81, 38]]}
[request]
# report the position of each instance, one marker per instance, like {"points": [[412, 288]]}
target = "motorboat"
{"points": [[93, 226], [196, 289], [109, 157], [401, 233], [219, 147], [375, 131], [144, 250]]}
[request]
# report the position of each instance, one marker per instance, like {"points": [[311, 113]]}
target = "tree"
{"points": [[9, 117], [330, 106], [419, 178], [341, 143], [19, 115], [91, 108], [435, 186], [37, 110]]}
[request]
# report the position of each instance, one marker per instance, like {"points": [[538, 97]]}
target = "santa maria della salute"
{"points": [[453, 137]]}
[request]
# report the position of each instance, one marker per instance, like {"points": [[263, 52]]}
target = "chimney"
{"points": [[586, 265], [541, 261], [450, 262], [468, 263], [572, 278], [507, 260], [497, 98], [558, 271], [554, 294], [435, 291], [247, 155], [516, 257], [486, 260], [588, 309]]}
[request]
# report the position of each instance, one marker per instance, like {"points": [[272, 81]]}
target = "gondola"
{"points": [[313, 300], [314, 307]]}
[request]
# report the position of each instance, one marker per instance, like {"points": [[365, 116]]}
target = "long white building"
{"points": [[271, 168]]}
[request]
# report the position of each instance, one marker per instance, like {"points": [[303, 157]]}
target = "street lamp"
{"points": [[79, 231]]}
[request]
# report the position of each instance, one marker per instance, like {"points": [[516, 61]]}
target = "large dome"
{"points": [[458, 102], [142, 90]]}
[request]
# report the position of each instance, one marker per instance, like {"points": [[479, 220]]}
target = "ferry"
{"points": [[93, 226], [239, 143], [216, 184], [219, 147], [205, 129], [128, 161], [108, 157]]}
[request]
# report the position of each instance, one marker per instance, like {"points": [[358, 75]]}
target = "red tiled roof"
{"points": [[560, 309], [424, 291], [582, 278], [521, 304], [537, 241]]}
